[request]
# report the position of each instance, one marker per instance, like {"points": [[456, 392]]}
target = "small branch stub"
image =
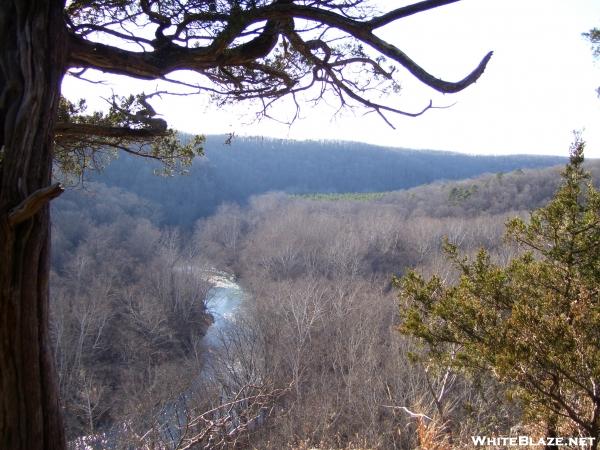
{"points": [[32, 204]]}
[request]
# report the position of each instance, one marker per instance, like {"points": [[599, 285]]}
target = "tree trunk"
{"points": [[32, 62]]}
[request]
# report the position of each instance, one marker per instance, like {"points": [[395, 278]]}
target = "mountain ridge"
{"points": [[232, 173]]}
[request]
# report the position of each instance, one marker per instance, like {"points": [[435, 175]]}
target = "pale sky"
{"points": [[538, 87]]}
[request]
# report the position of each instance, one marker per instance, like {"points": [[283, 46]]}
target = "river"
{"points": [[224, 299], [223, 302]]}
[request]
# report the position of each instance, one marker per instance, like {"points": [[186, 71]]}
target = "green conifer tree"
{"points": [[533, 324]]}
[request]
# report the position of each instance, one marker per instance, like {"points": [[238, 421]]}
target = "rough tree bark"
{"points": [[32, 63]]}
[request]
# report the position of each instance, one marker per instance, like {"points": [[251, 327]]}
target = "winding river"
{"points": [[223, 302]]}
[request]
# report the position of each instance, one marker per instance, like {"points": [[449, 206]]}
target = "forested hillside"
{"points": [[316, 338], [127, 317], [249, 166]]}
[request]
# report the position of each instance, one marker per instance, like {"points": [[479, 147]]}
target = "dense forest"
{"points": [[314, 357], [235, 171]]}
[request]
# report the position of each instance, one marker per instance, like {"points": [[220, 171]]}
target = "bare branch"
{"points": [[408, 411], [406, 11], [168, 57]]}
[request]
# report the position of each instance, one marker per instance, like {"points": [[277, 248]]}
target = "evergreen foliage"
{"points": [[532, 324], [78, 152], [344, 196]]}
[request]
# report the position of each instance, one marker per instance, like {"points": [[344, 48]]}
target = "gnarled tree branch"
{"points": [[81, 130], [219, 53]]}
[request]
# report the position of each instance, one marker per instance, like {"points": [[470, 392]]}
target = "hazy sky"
{"points": [[538, 88]]}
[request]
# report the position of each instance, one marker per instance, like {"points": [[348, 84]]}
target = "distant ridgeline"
{"points": [[250, 166]]}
